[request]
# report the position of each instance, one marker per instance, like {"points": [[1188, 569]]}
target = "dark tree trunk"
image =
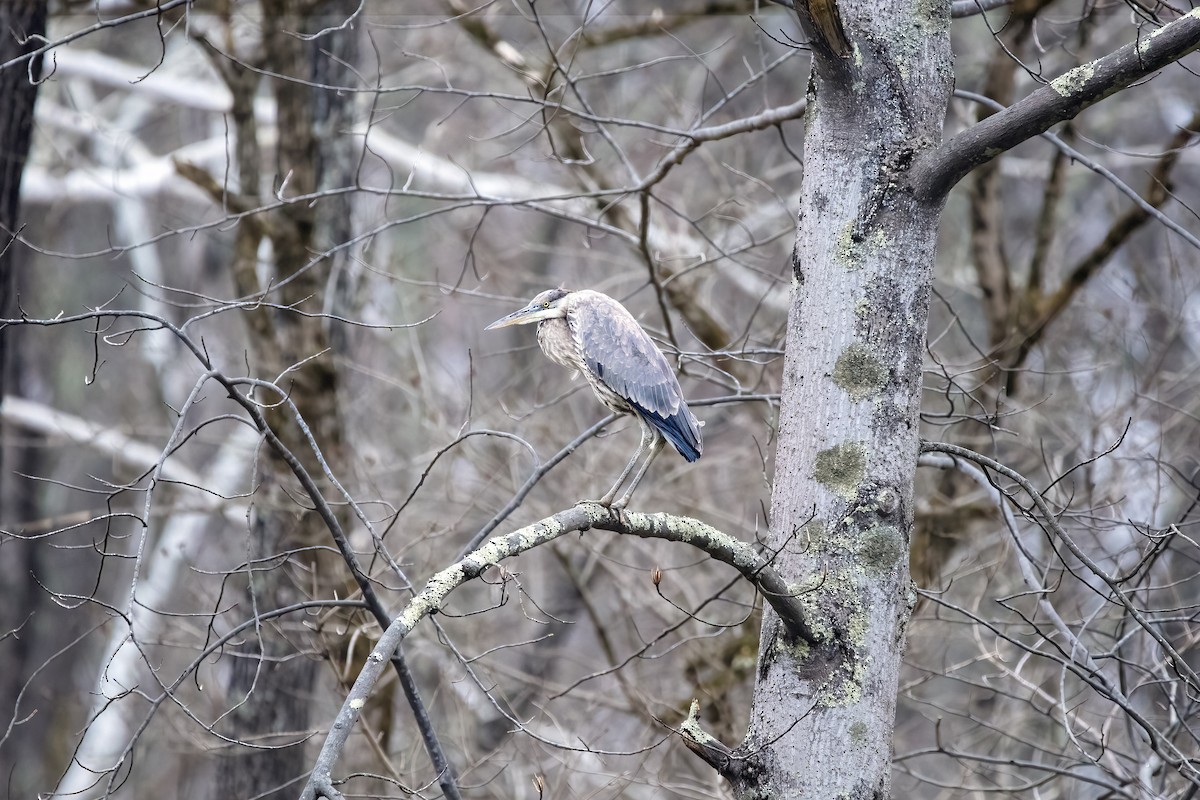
{"points": [[276, 683], [19, 20], [310, 157]]}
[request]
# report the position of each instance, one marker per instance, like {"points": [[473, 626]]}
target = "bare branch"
{"points": [[969, 8], [1104, 172], [582, 517], [156, 10], [107, 738], [1050, 306], [936, 173], [728, 764], [321, 506], [1049, 520], [48, 421], [764, 119]]}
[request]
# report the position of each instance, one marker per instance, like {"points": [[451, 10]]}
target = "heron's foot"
{"points": [[617, 507], [623, 501], [608, 502]]}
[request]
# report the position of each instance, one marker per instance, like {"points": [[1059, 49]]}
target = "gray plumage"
{"points": [[596, 336]]}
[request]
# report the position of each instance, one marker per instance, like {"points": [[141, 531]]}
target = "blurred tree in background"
{"points": [[248, 407]]}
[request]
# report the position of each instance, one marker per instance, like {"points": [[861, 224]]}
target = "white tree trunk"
{"points": [[113, 722], [841, 516]]}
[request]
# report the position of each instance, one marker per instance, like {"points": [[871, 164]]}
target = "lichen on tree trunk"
{"points": [[846, 460]]}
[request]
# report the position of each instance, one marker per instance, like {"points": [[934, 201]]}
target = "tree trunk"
{"points": [[20, 25], [19, 21], [278, 683], [841, 517]]}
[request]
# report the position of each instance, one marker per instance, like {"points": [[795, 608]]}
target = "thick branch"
{"points": [[721, 546], [936, 173], [582, 517]]}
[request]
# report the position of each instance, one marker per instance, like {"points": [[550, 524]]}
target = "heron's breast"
{"points": [[559, 345], [554, 337]]}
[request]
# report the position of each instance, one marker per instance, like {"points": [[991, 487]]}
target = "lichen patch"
{"points": [[841, 468], [859, 372], [847, 252], [1073, 80], [880, 548]]}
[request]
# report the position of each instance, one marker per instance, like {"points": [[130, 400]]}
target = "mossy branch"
{"points": [[721, 546]]}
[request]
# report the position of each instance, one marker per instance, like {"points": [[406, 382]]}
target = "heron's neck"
{"points": [[554, 337]]}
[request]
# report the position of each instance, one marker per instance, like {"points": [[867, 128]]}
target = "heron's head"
{"points": [[550, 304]]}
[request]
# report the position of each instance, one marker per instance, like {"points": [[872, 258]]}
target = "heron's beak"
{"points": [[521, 316]]}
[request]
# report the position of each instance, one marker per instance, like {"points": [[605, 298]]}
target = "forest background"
{"points": [[255, 242]]}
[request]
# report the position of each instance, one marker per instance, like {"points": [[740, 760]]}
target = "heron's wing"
{"points": [[625, 359], [622, 355]]}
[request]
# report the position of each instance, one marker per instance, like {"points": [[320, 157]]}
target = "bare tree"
{"points": [[288, 222]]}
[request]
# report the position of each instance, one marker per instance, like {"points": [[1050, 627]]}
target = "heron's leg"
{"points": [[647, 434], [655, 448]]}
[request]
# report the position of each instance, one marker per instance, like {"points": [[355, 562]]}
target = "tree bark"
{"points": [[18, 22], [875, 181], [277, 682], [841, 517]]}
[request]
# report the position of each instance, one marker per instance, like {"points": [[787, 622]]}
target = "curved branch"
{"points": [[1077, 656], [721, 546], [936, 173], [1050, 307], [538, 473], [1101, 170], [157, 10]]}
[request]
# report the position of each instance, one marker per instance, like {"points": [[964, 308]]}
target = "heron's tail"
{"points": [[681, 429]]}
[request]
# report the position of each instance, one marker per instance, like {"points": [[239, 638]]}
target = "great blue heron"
{"points": [[592, 333]]}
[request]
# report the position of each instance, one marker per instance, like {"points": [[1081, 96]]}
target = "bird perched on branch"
{"points": [[595, 335]]}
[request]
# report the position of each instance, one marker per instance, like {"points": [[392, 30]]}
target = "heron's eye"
{"points": [[546, 305]]}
